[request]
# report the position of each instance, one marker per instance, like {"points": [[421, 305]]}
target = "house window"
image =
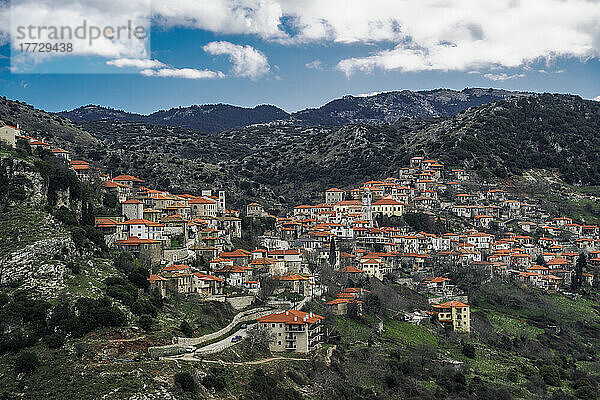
{"points": [[279, 343], [272, 325]]}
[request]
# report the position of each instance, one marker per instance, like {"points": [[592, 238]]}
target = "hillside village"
{"points": [[192, 244]]}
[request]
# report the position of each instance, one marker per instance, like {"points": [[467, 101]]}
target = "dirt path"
{"points": [[257, 362]]}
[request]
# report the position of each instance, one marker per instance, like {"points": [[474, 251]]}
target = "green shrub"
{"points": [[185, 381], [120, 293], [66, 216], [143, 306], [55, 340], [468, 350], [26, 362], [139, 277], [550, 374], [74, 267], [186, 328], [146, 322]]}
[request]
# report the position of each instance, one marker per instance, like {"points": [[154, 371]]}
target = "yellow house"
{"points": [[454, 314], [388, 207]]}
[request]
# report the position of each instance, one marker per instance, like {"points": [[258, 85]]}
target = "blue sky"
{"points": [[299, 61]]}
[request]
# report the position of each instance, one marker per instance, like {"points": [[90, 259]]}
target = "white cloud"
{"points": [[90, 17], [150, 67], [136, 63], [259, 17], [405, 35], [187, 73], [441, 35], [502, 76], [316, 64], [247, 61], [597, 98]]}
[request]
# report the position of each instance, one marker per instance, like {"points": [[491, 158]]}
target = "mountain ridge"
{"points": [[376, 109]]}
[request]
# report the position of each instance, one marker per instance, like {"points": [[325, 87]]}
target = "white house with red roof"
{"points": [[61, 153], [255, 210], [141, 228], [239, 256], [375, 267], [235, 275], [207, 285]]}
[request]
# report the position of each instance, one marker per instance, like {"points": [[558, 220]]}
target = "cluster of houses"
{"points": [[501, 234], [163, 228], [187, 240]]}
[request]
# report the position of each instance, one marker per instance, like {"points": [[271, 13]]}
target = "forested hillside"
{"points": [[376, 109]]}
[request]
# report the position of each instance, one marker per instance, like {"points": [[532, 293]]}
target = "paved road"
{"points": [[213, 347], [224, 343], [247, 315]]}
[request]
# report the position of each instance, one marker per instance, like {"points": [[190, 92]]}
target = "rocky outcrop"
{"points": [[23, 182], [37, 267]]}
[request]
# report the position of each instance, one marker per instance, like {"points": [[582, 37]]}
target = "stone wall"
{"points": [[240, 302]]}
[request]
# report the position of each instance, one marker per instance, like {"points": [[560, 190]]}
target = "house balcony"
{"points": [[294, 328], [290, 345]]}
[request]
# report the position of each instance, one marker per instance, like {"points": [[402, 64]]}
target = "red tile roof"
{"points": [[351, 270], [132, 201], [291, 317], [176, 267], [127, 178], [105, 222], [235, 254], [451, 304]]}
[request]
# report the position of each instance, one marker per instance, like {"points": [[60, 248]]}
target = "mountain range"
{"points": [[376, 109], [288, 163]]}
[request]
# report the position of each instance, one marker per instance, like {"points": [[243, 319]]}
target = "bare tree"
{"points": [[259, 339]]}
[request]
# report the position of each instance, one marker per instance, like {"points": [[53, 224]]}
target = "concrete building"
{"points": [[334, 195], [293, 331]]}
